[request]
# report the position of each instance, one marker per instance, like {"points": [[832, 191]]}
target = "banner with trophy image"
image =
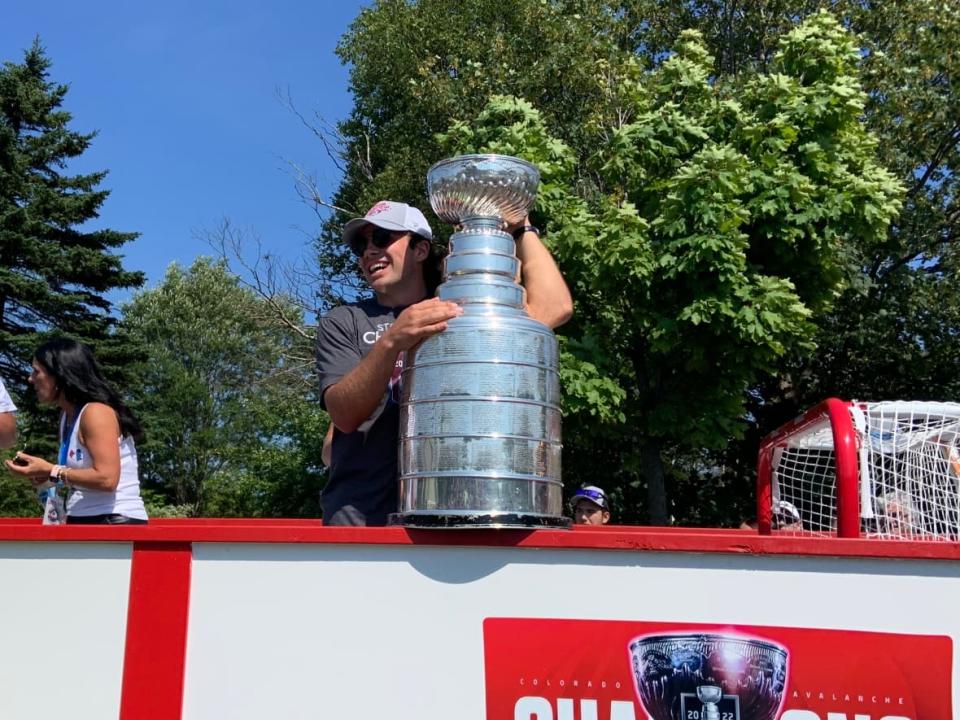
{"points": [[539, 669]]}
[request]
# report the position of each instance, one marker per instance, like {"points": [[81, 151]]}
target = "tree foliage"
{"points": [[53, 272], [882, 305], [893, 332], [728, 209], [231, 428], [896, 333], [723, 217], [417, 65]]}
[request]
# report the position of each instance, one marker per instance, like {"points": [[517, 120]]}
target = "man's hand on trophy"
{"points": [[520, 229], [420, 321]]}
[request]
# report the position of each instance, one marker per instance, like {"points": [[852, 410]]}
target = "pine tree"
{"points": [[53, 272]]}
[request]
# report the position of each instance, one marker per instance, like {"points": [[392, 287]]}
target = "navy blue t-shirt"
{"points": [[362, 489]]}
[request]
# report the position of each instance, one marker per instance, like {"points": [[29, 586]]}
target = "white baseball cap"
{"points": [[391, 216]]}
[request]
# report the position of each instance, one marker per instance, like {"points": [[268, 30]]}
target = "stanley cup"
{"points": [[709, 676], [480, 409]]}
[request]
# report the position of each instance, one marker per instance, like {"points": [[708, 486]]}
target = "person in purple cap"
{"points": [[361, 348], [590, 506]]}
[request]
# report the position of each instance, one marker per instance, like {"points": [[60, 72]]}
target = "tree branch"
{"points": [[263, 275], [949, 144]]}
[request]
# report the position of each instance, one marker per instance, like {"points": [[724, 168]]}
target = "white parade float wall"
{"points": [[201, 619]]}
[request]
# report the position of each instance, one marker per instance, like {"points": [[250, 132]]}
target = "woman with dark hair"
{"points": [[98, 457]]}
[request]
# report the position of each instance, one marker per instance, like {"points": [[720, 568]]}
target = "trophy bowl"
{"points": [[482, 186], [676, 674]]}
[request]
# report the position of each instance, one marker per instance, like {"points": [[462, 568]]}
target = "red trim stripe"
{"points": [[156, 646], [607, 537]]}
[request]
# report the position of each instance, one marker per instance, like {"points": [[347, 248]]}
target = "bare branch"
{"points": [[330, 137], [368, 162], [263, 276], [335, 144], [308, 190]]}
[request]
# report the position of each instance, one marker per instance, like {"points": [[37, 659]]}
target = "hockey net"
{"points": [[882, 470]]}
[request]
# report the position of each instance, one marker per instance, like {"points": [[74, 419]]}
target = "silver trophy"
{"points": [[480, 409], [710, 697], [709, 676]]}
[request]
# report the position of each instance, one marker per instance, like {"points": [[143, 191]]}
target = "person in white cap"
{"points": [[590, 506], [361, 348], [8, 421]]}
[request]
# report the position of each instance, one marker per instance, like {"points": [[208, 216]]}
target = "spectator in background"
{"points": [[8, 421], [98, 457], [590, 506], [896, 516], [784, 517], [787, 517]]}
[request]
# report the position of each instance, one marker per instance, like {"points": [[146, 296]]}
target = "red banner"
{"points": [[617, 670]]}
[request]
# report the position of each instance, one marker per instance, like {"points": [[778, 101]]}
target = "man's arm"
{"points": [[8, 429], [352, 399], [548, 298]]}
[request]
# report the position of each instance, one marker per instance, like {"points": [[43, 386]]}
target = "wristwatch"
{"points": [[524, 229]]}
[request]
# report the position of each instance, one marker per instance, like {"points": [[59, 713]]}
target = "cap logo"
{"points": [[590, 493], [380, 207]]}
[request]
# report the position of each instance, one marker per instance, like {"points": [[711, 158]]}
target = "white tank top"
{"points": [[125, 500]]}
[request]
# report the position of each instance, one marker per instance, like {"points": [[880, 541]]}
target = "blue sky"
{"points": [[183, 95]]}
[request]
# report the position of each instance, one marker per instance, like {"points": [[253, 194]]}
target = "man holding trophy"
{"points": [[361, 348]]}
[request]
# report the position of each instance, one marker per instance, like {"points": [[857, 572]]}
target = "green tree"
{"points": [[897, 332], [890, 332], [889, 329], [414, 66], [53, 273], [720, 219], [893, 332], [232, 425], [17, 497]]}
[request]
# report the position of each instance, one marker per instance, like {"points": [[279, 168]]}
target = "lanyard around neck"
{"points": [[65, 437]]}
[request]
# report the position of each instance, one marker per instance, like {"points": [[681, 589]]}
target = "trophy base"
{"points": [[479, 521]]}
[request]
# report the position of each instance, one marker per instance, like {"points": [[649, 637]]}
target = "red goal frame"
{"points": [[835, 413]]}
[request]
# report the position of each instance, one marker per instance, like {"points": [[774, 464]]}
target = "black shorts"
{"points": [[107, 519]]}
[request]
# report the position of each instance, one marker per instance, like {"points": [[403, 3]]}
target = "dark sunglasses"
{"points": [[381, 238]]}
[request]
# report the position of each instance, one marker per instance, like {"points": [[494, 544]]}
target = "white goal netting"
{"points": [[908, 473]]}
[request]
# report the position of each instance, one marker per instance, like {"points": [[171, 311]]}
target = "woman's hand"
{"points": [[35, 469]]}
